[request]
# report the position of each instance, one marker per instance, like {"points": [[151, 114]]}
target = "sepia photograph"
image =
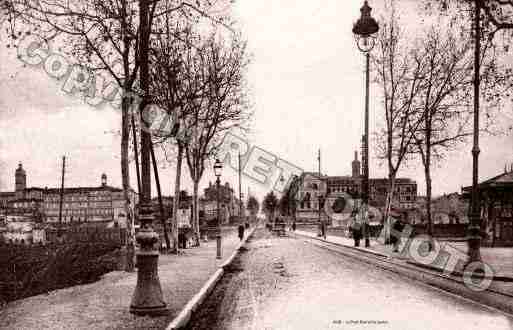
{"points": [[256, 164]]}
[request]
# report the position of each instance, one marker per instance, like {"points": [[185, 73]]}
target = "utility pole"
{"points": [[321, 222], [62, 194]]}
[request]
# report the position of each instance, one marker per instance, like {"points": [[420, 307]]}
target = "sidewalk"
{"points": [[503, 275], [499, 259], [105, 304]]}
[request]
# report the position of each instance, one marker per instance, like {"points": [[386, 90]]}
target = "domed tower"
{"points": [[355, 164], [104, 180], [20, 178]]}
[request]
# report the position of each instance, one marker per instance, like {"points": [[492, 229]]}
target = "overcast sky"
{"points": [[307, 87]]}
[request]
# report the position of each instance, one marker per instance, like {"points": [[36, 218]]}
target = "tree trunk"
{"points": [[427, 170], [125, 177], [176, 200], [136, 153], [388, 205], [195, 218], [428, 202], [159, 194]]}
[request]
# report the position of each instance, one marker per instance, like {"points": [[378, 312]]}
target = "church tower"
{"points": [[355, 164], [20, 178]]}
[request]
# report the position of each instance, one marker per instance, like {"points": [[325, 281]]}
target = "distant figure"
{"points": [[294, 226], [241, 232], [396, 239], [356, 231], [182, 240], [247, 225]]}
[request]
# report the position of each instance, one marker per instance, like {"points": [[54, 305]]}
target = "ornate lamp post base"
{"points": [[147, 298], [474, 242]]}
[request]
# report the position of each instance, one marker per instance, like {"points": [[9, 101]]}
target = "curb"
{"points": [[460, 274], [361, 249], [413, 263], [491, 297], [183, 318]]}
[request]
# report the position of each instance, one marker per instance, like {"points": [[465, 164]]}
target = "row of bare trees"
{"points": [[183, 56], [426, 88]]}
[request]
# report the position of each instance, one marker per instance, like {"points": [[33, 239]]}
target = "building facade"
{"points": [[229, 204], [496, 197], [337, 194], [312, 186], [102, 203]]}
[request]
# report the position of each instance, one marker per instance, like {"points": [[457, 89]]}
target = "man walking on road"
{"points": [[241, 232]]}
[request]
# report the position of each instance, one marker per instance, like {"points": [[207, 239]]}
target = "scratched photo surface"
{"points": [[230, 164]]}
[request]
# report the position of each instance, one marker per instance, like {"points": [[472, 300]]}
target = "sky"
{"points": [[306, 83]]}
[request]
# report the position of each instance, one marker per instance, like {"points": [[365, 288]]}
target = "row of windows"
{"points": [[78, 205], [78, 198], [84, 211], [68, 219]]}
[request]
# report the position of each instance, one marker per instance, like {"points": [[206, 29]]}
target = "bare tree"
{"points": [[400, 80], [171, 46], [496, 36], [253, 205], [105, 38], [102, 37], [218, 68], [446, 88], [498, 14]]}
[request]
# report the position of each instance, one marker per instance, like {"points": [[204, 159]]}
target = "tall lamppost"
{"points": [[218, 167], [364, 30], [147, 298], [474, 229], [321, 199]]}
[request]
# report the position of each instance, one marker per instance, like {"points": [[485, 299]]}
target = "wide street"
{"points": [[290, 283]]}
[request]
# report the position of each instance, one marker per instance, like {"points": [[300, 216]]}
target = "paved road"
{"points": [[288, 283]]}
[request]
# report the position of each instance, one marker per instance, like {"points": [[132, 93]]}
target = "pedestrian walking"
{"points": [[241, 232], [396, 237], [294, 226]]}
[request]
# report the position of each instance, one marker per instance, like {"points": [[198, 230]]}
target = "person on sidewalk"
{"points": [[241, 232], [356, 230], [294, 226], [396, 239]]}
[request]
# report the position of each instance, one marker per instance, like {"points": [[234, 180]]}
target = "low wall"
{"points": [[443, 230]]}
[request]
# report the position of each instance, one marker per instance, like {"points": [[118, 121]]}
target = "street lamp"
{"points": [[321, 198], [364, 30], [218, 167], [474, 229]]}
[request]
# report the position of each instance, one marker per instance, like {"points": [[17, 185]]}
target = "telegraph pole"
{"points": [[62, 194], [321, 222]]}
